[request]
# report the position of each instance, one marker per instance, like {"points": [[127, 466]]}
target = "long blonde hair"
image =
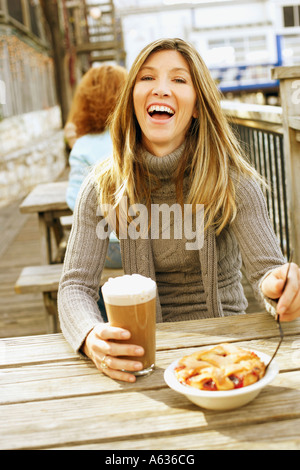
{"points": [[211, 149]]}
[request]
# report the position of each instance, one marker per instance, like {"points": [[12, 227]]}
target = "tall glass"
{"points": [[130, 302]]}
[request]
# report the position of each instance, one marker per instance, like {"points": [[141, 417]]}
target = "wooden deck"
{"points": [[23, 315], [20, 315]]}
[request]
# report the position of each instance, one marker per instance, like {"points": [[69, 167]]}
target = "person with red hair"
{"points": [[87, 127]]}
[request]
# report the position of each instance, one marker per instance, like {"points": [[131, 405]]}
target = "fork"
{"points": [[277, 318]]}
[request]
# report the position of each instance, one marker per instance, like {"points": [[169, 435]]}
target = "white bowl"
{"points": [[222, 400]]}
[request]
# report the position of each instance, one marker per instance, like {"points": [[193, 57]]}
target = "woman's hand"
{"points": [[101, 348], [288, 306]]}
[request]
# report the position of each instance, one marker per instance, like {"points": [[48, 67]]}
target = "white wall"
{"points": [[32, 151], [140, 30], [231, 15], [205, 22]]}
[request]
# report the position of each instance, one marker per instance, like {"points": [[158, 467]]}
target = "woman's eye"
{"points": [[179, 80], [147, 77]]}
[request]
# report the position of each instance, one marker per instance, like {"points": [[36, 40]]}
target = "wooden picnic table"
{"points": [[49, 202], [50, 398]]}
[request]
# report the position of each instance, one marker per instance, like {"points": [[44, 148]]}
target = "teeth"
{"points": [[162, 109]]}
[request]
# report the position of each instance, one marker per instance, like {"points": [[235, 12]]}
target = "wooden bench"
{"points": [[45, 280]]}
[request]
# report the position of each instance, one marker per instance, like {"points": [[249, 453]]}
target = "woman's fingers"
{"points": [[273, 284], [119, 375], [122, 364], [290, 289], [287, 293], [113, 348], [109, 353], [118, 368], [289, 303], [106, 332]]}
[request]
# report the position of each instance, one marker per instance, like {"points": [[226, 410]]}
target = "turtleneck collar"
{"points": [[163, 167]]}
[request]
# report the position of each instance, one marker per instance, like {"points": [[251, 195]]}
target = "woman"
{"points": [[172, 144]]}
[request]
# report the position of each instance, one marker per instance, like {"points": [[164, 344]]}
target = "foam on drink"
{"points": [[130, 289]]}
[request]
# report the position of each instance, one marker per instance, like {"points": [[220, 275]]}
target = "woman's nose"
{"points": [[161, 89]]}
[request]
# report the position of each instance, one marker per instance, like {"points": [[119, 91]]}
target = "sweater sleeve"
{"points": [[259, 245], [84, 261]]}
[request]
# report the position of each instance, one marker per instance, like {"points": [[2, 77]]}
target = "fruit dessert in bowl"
{"points": [[221, 377]]}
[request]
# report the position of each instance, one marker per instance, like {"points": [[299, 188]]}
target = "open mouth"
{"points": [[160, 112]]}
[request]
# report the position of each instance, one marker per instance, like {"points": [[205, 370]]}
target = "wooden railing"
{"points": [[290, 99], [260, 132], [270, 138]]}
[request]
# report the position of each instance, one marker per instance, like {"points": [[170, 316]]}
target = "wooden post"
{"points": [[50, 9], [26, 14], [4, 9], [290, 101]]}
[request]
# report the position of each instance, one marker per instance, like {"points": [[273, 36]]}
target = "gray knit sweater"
{"points": [[191, 284]]}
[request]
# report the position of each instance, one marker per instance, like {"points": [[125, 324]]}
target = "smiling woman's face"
{"points": [[164, 100]]}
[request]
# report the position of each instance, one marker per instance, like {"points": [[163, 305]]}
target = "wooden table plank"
{"points": [[46, 278], [212, 330], [39, 279], [240, 438], [39, 349], [253, 437], [169, 336], [56, 422], [45, 197]]}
